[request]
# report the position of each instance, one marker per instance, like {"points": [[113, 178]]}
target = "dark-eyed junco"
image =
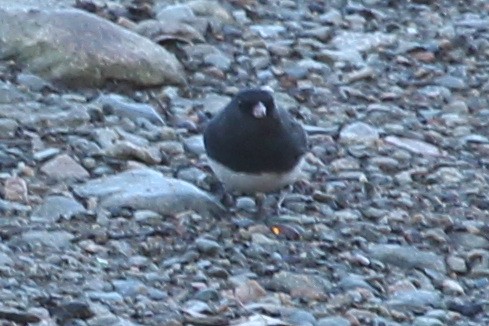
{"points": [[254, 146]]}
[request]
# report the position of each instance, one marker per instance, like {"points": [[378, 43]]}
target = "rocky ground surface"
{"points": [[108, 210]]}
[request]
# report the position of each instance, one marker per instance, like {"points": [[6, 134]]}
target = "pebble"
{"points": [[333, 321], [208, 247], [53, 239], [414, 300], [8, 127], [64, 167], [359, 133], [426, 321], [194, 145], [311, 287], [452, 287], [106, 297], [413, 145], [456, 264], [268, 31], [129, 287], [15, 189], [46, 154], [249, 291], [55, 207], [406, 257]]}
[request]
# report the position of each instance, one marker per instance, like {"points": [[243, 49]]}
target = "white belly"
{"points": [[251, 183]]}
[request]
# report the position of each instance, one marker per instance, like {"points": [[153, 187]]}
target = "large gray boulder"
{"points": [[78, 49], [147, 189]]}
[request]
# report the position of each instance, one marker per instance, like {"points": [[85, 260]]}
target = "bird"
{"points": [[253, 146]]}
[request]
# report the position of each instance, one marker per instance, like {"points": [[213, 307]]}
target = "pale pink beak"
{"points": [[259, 110]]}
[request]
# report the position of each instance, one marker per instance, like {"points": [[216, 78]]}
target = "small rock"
{"points": [[413, 145], [219, 60], [53, 239], [414, 300], [18, 317], [452, 287], [333, 321], [108, 297], [301, 318], [406, 256], [64, 167], [15, 189], [359, 133], [5, 260], [305, 286], [427, 321], [457, 264], [469, 309], [130, 287], [214, 103], [72, 310], [126, 150], [121, 106], [55, 207], [451, 82], [268, 31], [447, 175], [46, 154], [206, 246], [194, 145], [8, 127], [249, 291]]}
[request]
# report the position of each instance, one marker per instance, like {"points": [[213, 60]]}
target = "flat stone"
{"points": [[112, 297], [427, 321], [214, 103], [313, 287], [206, 246], [122, 107], [8, 127], [55, 207], [40, 116], [54, 239], [333, 321], [5, 260], [249, 291], [451, 82], [362, 42], [18, 317], [46, 154], [457, 264], [127, 150], [414, 145], [268, 31], [406, 256], [359, 133], [15, 189], [194, 145], [130, 287], [146, 189], [64, 167], [414, 300]]}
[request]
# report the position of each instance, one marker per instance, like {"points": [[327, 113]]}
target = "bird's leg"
{"points": [[224, 196], [281, 197], [260, 205]]}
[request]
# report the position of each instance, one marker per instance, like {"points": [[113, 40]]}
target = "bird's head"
{"points": [[257, 103]]}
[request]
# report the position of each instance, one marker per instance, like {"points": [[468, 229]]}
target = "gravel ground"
{"points": [[108, 211]]}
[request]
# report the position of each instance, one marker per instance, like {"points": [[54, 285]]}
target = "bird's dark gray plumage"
{"points": [[253, 145]]}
